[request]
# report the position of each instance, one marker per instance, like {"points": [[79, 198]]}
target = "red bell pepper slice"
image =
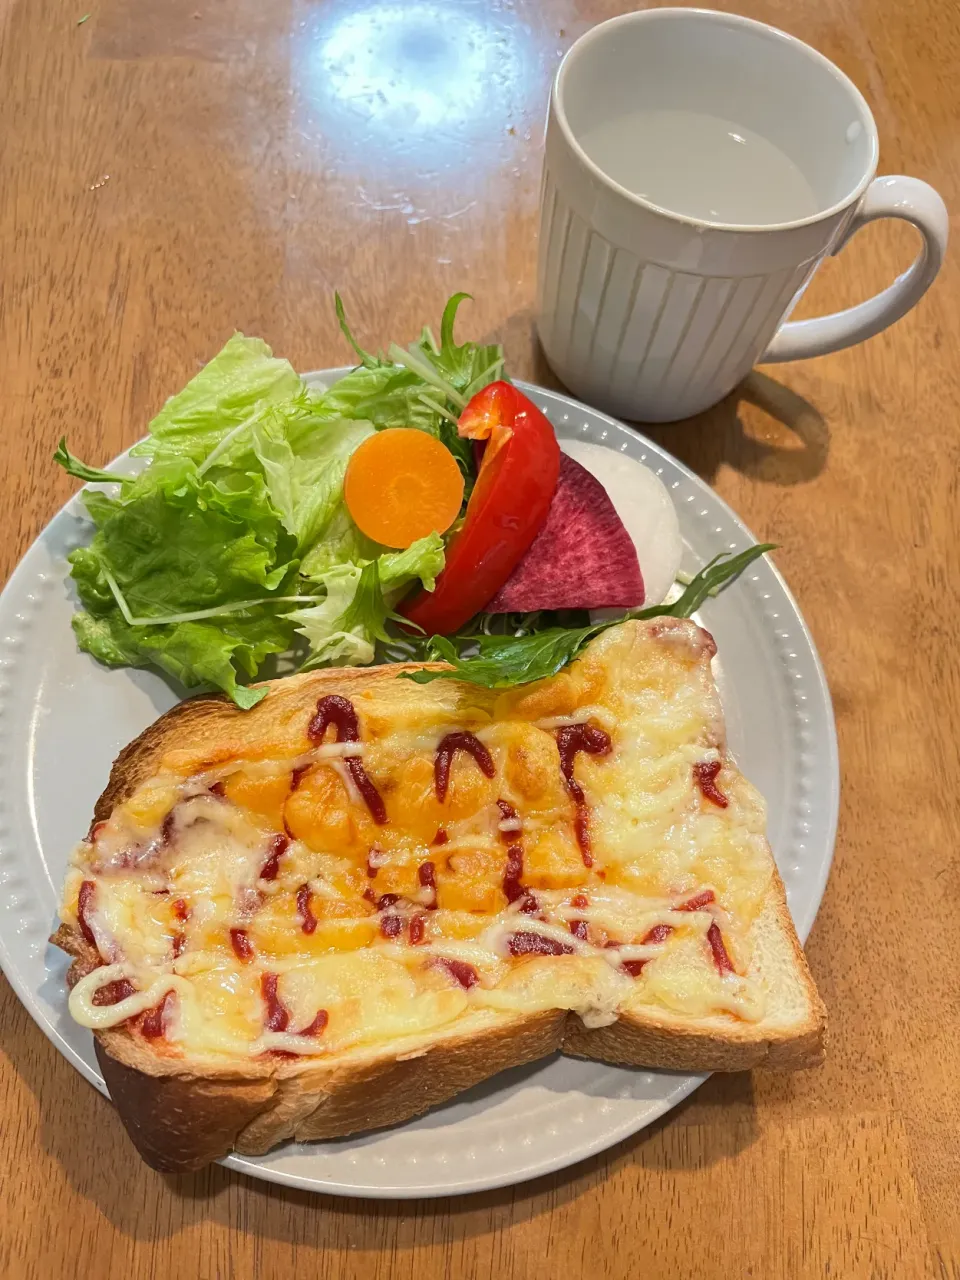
{"points": [[508, 506]]}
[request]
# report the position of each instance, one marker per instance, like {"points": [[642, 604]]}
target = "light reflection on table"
{"points": [[416, 90]]}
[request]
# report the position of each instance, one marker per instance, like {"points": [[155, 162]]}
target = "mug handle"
{"points": [[893, 197]]}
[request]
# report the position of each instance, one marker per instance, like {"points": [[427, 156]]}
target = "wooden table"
{"points": [[174, 170]]}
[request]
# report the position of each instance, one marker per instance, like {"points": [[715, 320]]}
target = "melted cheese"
{"points": [[678, 979], [585, 986], [179, 903]]}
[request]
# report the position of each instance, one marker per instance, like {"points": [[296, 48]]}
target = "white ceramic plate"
{"points": [[63, 718]]}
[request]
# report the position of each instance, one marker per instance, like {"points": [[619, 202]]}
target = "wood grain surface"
{"points": [[173, 170]]}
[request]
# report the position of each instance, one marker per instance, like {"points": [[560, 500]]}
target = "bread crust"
{"points": [[181, 1119]]}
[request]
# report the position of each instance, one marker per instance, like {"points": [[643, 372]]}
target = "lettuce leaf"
{"points": [[109, 639], [197, 654], [343, 628], [423, 559], [386, 396], [226, 393], [173, 543], [207, 653], [307, 491], [173, 550], [334, 636], [341, 544]]}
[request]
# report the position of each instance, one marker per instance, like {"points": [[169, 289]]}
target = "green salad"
{"points": [[233, 543]]}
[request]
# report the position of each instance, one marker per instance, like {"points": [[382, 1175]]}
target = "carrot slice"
{"points": [[402, 484]]}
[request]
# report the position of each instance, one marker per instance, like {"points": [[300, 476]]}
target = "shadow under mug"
{"points": [[657, 315]]}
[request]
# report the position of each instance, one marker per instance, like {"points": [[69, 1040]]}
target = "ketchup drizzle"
{"points": [[152, 1026], [571, 739], [721, 957], [242, 946], [704, 775], [318, 1025], [659, 933], [699, 902], [276, 848], [308, 919], [426, 874], [371, 796], [465, 975], [513, 871], [512, 887], [535, 944], [278, 1016], [460, 740], [417, 928], [391, 926], [84, 904], [507, 814], [114, 992], [339, 712]]}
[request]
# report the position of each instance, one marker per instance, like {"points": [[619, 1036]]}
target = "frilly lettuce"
{"points": [[342, 628], [306, 490], [243, 378]]}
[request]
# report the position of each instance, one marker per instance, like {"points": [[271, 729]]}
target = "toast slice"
{"points": [[365, 895]]}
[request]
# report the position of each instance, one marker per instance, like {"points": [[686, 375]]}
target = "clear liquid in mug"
{"points": [[701, 166]]}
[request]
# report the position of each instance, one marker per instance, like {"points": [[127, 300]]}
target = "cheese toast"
{"points": [[331, 912]]}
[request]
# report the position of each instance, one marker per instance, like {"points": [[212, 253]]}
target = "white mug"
{"points": [[699, 166]]}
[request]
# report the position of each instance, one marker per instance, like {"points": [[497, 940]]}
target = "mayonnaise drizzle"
{"points": [[88, 1014]]}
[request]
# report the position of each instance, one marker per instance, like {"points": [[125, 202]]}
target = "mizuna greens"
{"points": [[535, 649]]}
